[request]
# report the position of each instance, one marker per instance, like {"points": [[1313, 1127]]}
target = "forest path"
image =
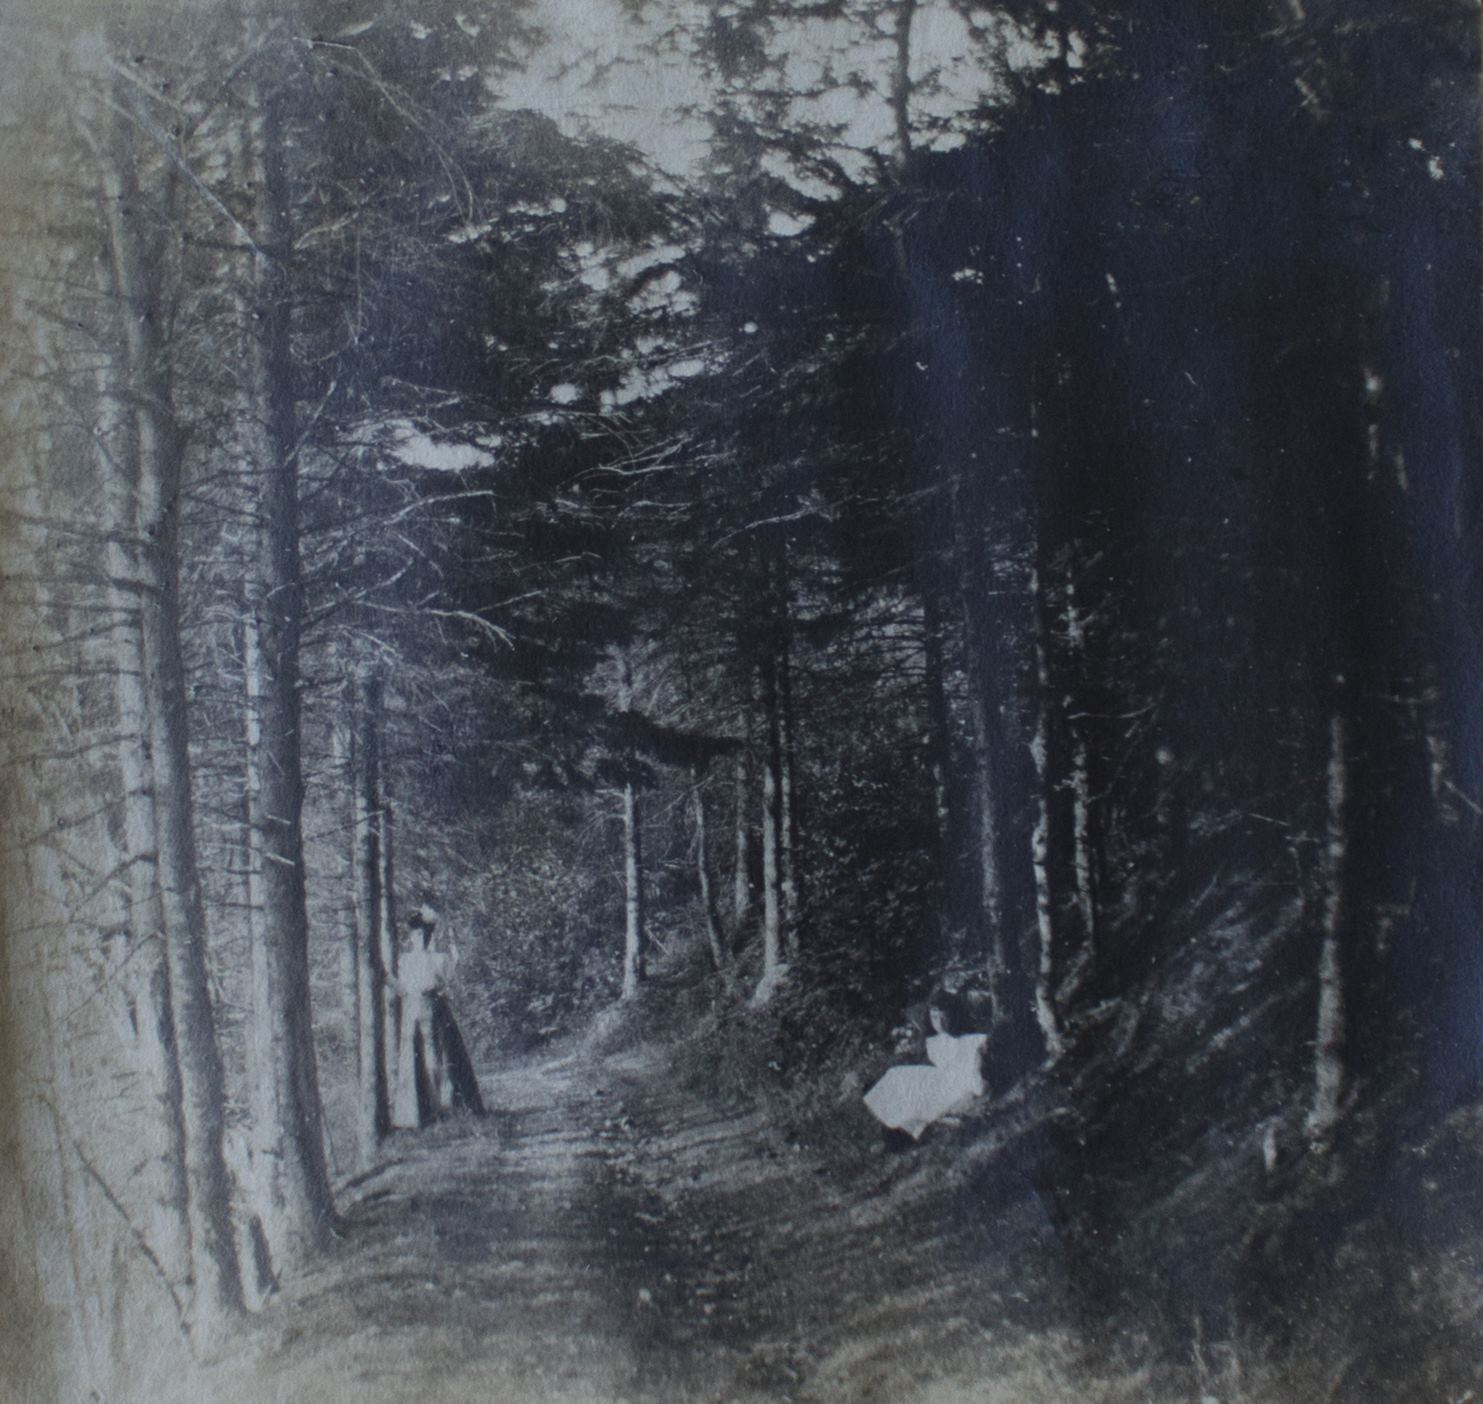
{"points": [[605, 1235]]}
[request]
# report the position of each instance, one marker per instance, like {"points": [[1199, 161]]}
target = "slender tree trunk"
{"points": [[1081, 915], [998, 924], [773, 968], [901, 84], [384, 819], [1047, 1011], [939, 731], [788, 847], [994, 779], [373, 1101], [949, 904], [215, 1268], [985, 736], [635, 937], [1085, 858], [1083, 839], [635, 932], [788, 884], [742, 896], [217, 1284], [149, 976], [301, 1206], [772, 943], [342, 765], [170, 1226], [703, 875], [262, 1176], [1326, 1108]]}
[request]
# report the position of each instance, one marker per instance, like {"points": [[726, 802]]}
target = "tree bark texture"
{"points": [[386, 905], [950, 908], [149, 978], [373, 1099], [301, 1204], [635, 930], [264, 1173], [703, 877], [901, 84], [1047, 1011], [136, 272], [742, 895], [635, 936], [1329, 1038], [939, 729], [1001, 851], [772, 841], [788, 872], [346, 876], [1083, 836]]}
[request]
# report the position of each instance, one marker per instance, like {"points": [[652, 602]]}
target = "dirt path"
{"points": [[604, 1236]]}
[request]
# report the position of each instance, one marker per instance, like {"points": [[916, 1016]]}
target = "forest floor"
{"points": [[606, 1234]]}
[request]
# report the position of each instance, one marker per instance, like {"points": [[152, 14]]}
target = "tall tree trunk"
{"points": [[939, 747], [1082, 836], [703, 876], [1047, 1010], [742, 896], [214, 1257], [773, 968], [1001, 900], [1329, 1041], [347, 942], [149, 976], [136, 274], [261, 1176], [901, 84], [788, 875], [373, 1099], [1083, 850], [1080, 917], [984, 737], [635, 932], [300, 1204], [384, 819], [158, 1043], [939, 731], [635, 936]]}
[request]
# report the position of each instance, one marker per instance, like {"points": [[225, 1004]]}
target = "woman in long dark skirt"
{"points": [[435, 1074]]}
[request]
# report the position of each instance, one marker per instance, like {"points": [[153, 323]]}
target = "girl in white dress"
{"points": [[910, 1098], [421, 974]]}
